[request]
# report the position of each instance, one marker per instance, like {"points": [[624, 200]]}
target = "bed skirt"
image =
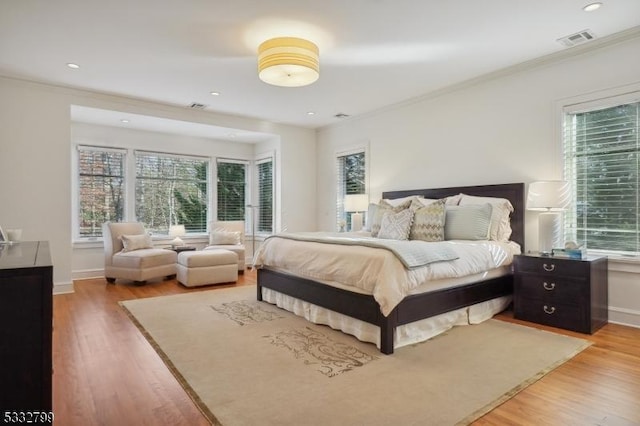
{"points": [[407, 334]]}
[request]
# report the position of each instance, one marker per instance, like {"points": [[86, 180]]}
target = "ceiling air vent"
{"points": [[341, 115], [577, 38], [196, 105]]}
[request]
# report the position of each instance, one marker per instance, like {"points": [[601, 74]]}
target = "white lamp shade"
{"points": [[356, 202], [550, 195], [177, 231]]}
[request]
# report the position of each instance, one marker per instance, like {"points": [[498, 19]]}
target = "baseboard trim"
{"points": [[63, 288], [622, 316], [84, 274]]}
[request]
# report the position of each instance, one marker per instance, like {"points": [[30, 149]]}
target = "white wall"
{"points": [[499, 129], [35, 161]]}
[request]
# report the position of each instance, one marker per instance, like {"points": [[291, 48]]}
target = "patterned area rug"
{"points": [[247, 363]]}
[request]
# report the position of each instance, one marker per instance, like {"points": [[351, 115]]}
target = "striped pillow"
{"points": [[471, 222]]}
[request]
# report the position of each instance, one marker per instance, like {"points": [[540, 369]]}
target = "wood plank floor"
{"points": [[105, 372]]}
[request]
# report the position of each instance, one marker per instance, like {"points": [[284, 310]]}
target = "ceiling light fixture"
{"points": [[591, 7], [288, 62], [215, 93], [72, 65], [124, 120]]}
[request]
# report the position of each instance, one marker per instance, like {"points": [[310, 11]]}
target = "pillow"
{"points": [[220, 237], [396, 226], [470, 222], [428, 222], [395, 202], [453, 200], [135, 242], [380, 211], [500, 223]]}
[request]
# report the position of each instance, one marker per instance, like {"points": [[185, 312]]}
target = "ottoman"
{"points": [[196, 268]]}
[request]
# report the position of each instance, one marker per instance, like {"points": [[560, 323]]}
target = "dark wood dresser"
{"points": [[26, 299], [560, 292]]}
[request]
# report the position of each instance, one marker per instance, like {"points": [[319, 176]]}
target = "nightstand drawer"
{"points": [[550, 265], [569, 317], [551, 289]]}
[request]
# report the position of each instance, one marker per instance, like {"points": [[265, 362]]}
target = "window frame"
{"points": [[341, 215], [262, 159], [586, 104], [75, 196], [130, 184]]}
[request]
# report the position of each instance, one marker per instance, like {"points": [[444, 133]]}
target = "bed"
{"points": [[302, 292]]}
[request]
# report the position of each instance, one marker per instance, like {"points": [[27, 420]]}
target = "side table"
{"points": [[560, 292]]}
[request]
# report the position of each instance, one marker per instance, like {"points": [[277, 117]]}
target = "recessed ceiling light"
{"points": [[72, 65], [215, 93], [311, 113], [124, 120], [592, 6]]}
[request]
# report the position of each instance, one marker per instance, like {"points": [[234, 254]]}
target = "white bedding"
{"points": [[377, 271]]}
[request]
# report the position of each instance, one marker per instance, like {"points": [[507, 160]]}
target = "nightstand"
{"points": [[560, 292]]}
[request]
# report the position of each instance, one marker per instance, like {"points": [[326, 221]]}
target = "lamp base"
{"points": [[356, 222], [549, 232], [177, 242]]}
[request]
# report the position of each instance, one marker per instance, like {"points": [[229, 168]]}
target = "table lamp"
{"points": [[550, 197], [177, 231], [356, 203]]}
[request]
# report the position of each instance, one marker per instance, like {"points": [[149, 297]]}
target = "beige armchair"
{"points": [[129, 254], [228, 235]]}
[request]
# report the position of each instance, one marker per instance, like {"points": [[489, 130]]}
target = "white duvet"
{"points": [[377, 271]]}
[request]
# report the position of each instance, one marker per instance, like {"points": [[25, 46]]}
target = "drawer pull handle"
{"points": [[549, 310], [548, 286], [549, 268]]}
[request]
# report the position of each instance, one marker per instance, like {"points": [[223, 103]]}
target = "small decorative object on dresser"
{"points": [[561, 292]]}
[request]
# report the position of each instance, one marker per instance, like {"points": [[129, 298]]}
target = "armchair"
{"points": [[129, 254], [228, 235]]}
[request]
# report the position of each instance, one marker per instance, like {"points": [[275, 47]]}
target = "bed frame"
{"points": [[414, 307]]}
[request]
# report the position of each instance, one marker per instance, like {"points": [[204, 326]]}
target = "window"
{"points": [[264, 170], [100, 189], [601, 160], [171, 189], [351, 180], [232, 193]]}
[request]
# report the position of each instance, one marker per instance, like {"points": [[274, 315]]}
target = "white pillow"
{"points": [[135, 242], [471, 222], [395, 202], [500, 223], [453, 200], [396, 226], [220, 237]]}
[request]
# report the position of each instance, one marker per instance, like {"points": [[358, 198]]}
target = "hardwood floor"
{"points": [[105, 372]]}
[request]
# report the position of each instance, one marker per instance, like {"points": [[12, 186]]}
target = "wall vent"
{"points": [[577, 38], [196, 105]]}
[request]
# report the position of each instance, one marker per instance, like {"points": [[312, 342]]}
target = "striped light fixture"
{"points": [[288, 62]]}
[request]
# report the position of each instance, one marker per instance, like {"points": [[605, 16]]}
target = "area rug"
{"points": [[250, 363]]}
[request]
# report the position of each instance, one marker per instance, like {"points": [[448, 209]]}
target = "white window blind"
{"points": [[171, 189], [232, 189], [101, 191], [351, 178], [601, 160], [264, 169]]}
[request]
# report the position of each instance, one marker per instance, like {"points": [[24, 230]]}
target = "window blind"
{"points": [[350, 180], [264, 169], [171, 189], [232, 192], [101, 173], [601, 162]]}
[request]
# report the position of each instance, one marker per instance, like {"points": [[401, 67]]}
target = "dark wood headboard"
{"points": [[513, 192]]}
